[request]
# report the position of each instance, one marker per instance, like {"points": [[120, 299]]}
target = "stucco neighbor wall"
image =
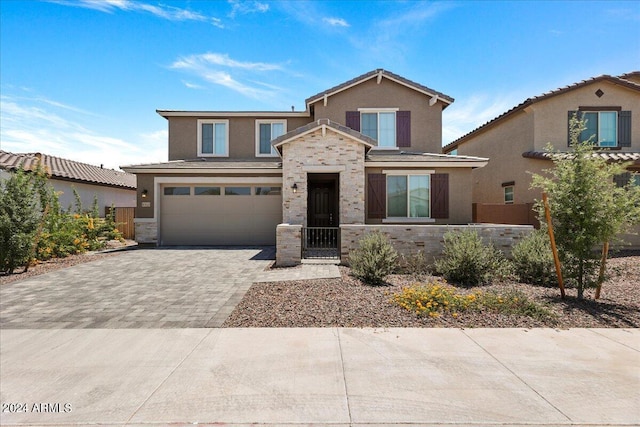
{"points": [[318, 153], [551, 119], [429, 239], [107, 196]]}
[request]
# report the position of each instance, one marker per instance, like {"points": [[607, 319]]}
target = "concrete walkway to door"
{"points": [[145, 288]]}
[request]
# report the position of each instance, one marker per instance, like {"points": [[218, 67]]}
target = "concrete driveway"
{"points": [[153, 288]]}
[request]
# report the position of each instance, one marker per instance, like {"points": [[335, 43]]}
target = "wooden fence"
{"points": [[124, 220]]}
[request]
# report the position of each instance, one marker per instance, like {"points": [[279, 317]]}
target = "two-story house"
{"points": [[515, 141], [364, 152]]}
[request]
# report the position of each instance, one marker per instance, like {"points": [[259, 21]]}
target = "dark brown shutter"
{"points": [[570, 116], [377, 195], [440, 196], [624, 128], [353, 120], [403, 128], [622, 179]]}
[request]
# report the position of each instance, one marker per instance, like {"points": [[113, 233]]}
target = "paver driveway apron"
{"points": [[145, 288]]}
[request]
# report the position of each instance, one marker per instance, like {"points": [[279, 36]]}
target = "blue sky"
{"points": [[81, 79]]}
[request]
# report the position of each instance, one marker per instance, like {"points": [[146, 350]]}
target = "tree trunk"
{"points": [[581, 279]]}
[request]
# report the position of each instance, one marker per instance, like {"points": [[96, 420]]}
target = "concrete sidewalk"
{"points": [[337, 377]]}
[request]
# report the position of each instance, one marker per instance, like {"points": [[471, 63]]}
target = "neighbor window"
{"points": [[207, 191], [237, 191], [601, 128], [213, 138], [408, 196], [268, 191], [508, 194], [177, 191], [379, 125], [266, 131]]}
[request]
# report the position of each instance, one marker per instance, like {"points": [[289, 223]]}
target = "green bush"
{"points": [[374, 259], [468, 261], [533, 259]]}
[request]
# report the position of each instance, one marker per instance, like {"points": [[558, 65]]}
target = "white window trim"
{"points": [[273, 153], [408, 174], [377, 111], [226, 137]]}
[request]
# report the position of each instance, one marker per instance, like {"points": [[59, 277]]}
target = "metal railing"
{"points": [[321, 242]]}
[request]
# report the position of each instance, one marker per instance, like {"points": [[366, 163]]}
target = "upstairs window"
{"points": [[604, 126], [380, 126], [601, 128], [213, 138], [266, 131], [388, 126]]}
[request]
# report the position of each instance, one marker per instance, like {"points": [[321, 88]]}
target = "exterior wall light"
{"points": [[294, 187], [144, 193]]}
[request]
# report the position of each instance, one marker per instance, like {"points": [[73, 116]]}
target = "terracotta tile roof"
{"points": [[68, 169], [611, 156], [371, 74], [616, 80]]}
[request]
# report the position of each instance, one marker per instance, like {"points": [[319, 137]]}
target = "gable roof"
{"points": [[323, 124], [68, 170], [379, 74], [619, 80]]}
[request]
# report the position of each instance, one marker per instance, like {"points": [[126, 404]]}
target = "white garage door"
{"points": [[210, 214]]}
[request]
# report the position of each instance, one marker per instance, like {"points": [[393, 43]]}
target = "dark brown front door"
{"points": [[322, 204]]}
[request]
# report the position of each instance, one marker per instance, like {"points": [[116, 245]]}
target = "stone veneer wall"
{"points": [[146, 232], [409, 239], [318, 153], [289, 245]]}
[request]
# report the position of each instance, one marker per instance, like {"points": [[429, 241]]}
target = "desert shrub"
{"points": [[533, 259], [438, 298], [469, 262], [19, 218], [374, 259], [414, 264]]}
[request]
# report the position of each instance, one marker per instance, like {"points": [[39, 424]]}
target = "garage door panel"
{"points": [[219, 219]]}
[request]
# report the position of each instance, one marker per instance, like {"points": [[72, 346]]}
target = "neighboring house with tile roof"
{"points": [[515, 141], [111, 187], [364, 152]]}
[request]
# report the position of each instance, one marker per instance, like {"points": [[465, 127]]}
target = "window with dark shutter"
{"points": [[376, 195], [624, 128], [403, 128], [440, 196], [353, 120]]}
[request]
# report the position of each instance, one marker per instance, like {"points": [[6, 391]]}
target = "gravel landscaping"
{"points": [[347, 302]]}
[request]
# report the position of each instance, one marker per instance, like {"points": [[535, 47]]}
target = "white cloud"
{"points": [[30, 125], [245, 7], [216, 68], [464, 116], [336, 22], [170, 13]]}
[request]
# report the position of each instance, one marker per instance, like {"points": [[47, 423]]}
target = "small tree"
{"points": [[587, 207]]}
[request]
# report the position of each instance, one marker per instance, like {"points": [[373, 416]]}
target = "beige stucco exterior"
{"points": [[460, 204], [183, 135], [532, 128], [426, 120]]}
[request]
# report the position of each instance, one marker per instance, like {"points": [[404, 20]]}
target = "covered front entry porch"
{"points": [[321, 236]]}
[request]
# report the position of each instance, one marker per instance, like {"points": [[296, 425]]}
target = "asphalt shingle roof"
{"points": [[68, 169]]}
